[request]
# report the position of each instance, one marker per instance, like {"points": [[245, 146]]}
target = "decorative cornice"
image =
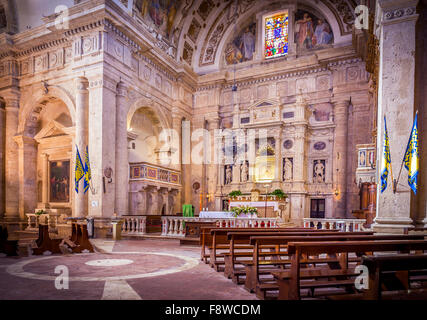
{"points": [[399, 13]]}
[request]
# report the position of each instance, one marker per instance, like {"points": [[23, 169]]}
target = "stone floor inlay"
{"points": [[109, 262]]}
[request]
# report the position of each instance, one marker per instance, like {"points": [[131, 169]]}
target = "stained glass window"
{"points": [[276, 35]]}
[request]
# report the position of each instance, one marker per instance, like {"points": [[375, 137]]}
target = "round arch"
{"points": [[327, 12], [39, 95], [148, 103]]}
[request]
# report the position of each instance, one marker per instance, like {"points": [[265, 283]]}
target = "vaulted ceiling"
{"points": [[202, 27]]}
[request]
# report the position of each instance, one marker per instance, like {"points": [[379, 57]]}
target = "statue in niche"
{"points": [[228, 175], [319, 171], [287, 169], [244, 172]]}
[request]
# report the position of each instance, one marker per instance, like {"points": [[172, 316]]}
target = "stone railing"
{"points": [[34, 220], [344, 225], [134, 225], [175, 226]]}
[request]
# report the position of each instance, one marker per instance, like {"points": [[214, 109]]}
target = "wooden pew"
{"points": [[45, 243], [206, 238], [401, 265], [253, 270], [290, 281], [193, 231], [79, 238], [8, 247], [231, 257], [220, 241]]}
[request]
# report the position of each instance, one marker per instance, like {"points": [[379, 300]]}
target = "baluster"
{"points": [[170, 232], [323, 223], [331, 225], [164, 226], [144, 225], [347, 226], [181, 227]]}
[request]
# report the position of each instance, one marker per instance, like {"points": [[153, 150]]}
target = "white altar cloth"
{"points": [[255, 204], [216, 214]]}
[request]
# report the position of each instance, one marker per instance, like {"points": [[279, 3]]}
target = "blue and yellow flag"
{"points": [[386, 159], [79, 170], [411, 159], [88, 174]]}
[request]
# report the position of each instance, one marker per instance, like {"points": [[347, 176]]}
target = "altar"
{"points": [[216, 214], [266, 209]]}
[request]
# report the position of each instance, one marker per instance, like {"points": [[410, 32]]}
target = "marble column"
{"points": [[212, 171], [45, 181], [27, 150], [2, 188], [278, 174], [11, 156], [396, 101], [177, 152], [340, 157], [122, 156], [102, 144], [82, 113]]}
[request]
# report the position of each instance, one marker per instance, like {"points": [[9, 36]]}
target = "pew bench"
{"points": [[289, 281], [331, 262]]}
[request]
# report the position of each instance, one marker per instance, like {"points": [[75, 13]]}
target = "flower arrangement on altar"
{"points": [[240, 211], [279, 194], [235, 194]]}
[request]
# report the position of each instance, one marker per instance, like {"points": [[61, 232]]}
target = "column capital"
{"points": [[22, 140], [82, 83], [122, 89]]}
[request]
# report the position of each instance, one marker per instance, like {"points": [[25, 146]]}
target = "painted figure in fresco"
{"points": [[228, 175], [287, 170], [162, 12], [319, 172], [247, 46], [305, 32], [323, 34], [242, 47]]}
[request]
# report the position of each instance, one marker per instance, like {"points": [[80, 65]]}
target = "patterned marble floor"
{"points": [[123, 270]]}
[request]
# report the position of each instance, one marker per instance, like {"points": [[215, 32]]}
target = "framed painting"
{"points": [[59, 181]]}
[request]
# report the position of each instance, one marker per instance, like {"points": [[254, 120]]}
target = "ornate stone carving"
{"points": [[193, 30], [228, 174], [399, 13], [288, 169], [244, 172], [319, 171], [187, 54]]}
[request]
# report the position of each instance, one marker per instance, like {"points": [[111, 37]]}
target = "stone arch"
{"points": [[151, 104], [327, 11], [33, 101]]}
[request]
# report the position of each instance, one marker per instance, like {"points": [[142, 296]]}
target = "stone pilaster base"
{"points": [[103, 228], [391, 224]]}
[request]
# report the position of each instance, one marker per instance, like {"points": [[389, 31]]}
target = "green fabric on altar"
{"points": [[187, 210]]}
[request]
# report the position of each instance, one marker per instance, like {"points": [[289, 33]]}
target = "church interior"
{"points": [[213, 150]]}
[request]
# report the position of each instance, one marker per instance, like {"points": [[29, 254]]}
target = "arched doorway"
{"points": [[46, 157], [154, 182]]}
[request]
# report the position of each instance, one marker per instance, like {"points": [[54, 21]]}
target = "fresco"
{"points": [[242, 47], [159, 12], [311, 32]]}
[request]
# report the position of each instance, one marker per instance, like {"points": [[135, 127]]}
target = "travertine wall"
{"points": [[2, 132], [421, 105]]}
